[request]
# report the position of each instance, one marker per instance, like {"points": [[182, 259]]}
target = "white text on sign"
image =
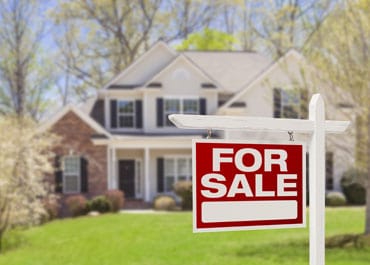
{"points": [[215, 186]]}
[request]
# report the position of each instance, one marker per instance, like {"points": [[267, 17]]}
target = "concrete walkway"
{"points": [[143, 211]]}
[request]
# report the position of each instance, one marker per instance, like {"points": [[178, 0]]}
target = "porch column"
{"points": [[146, 175], [109, 165], [114, 169]]}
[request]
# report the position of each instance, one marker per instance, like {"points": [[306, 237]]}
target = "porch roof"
{"points": [[148, 141]]}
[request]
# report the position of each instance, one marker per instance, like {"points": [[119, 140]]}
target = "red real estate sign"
{"points": [[245, 186]]}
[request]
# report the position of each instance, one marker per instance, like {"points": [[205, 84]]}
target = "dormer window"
{"points": [[126, 114]]}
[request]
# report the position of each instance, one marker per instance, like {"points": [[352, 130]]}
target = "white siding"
{"points": [[147, 66], [259, 102], [180, 80]]}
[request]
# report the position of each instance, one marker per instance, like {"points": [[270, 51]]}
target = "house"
{"points": [[122, 138]]}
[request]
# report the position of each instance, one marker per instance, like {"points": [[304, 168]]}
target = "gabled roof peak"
{"points": [[159, 45], [71, 108]]}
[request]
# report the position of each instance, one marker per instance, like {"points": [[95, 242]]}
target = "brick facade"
{"points": [[76, 139]]}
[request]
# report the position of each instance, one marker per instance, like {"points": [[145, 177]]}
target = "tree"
{"points": [[24, 161], [209, 39], [341, 51], [98, 39], [179, 18], [25, 76], [284, 24]]}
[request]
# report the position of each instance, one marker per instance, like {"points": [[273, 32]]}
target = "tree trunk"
{"points": [[367, 222], [1, 240]]}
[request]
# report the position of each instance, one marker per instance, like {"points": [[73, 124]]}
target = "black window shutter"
{"points": [[84, 175], [160, 112], [202, 106], [329, 170], [139, 113], [113, 113], [160, 174], [58, 174], [304, 104], [277, 102]]}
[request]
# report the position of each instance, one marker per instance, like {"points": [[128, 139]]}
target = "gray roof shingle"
{"points": [[231, 69]]}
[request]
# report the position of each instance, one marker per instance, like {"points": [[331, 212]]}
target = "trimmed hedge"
{"points": [[335, 198], [76, 205], [354, 186], [164, 203], [100, 204], [184, 189], [116, 198]]}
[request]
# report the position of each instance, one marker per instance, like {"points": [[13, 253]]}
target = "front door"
{"points": [[127, 177]]}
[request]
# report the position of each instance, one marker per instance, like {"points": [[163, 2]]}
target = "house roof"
{"points": [[160, 45], [47, 124], [230, 69], [87, 105], [181, 57], [260, 75]]}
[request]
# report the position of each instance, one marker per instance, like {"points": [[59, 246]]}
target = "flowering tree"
{"points": [[341, 50], [24, 161]]}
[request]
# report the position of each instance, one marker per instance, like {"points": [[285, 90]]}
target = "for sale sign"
{"points": [[244, 186]]}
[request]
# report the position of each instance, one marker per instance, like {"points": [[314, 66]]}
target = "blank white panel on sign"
{"points": [[232, 211]]}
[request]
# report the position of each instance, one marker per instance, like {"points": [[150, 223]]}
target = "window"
{"points": [[176, 169], [171, 106], [190, 106], [185, 106], [126, 114], [71, 174], [290, 104]]}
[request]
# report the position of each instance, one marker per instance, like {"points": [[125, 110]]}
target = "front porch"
{"points": [[144, 167]]}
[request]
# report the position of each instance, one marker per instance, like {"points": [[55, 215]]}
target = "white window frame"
{"points": [[72, 174], [181, 100], [296, 106], [133, 114], [176, 174]]}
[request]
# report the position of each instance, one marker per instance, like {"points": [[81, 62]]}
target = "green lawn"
{"points": [[168, 239]]}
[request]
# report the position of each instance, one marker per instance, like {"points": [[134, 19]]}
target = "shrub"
{"points": [[100, 204], [335, 198], [184, 190], [51, 207], [355, 193], [76, 205], [354, 175], [353, 184], [341, 241], [116, 199], [164, 203]]}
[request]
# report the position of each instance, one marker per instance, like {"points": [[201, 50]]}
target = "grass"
{"points": [[156, 239]]}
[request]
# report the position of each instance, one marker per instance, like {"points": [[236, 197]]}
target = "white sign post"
{"points": [[316, 125]]}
